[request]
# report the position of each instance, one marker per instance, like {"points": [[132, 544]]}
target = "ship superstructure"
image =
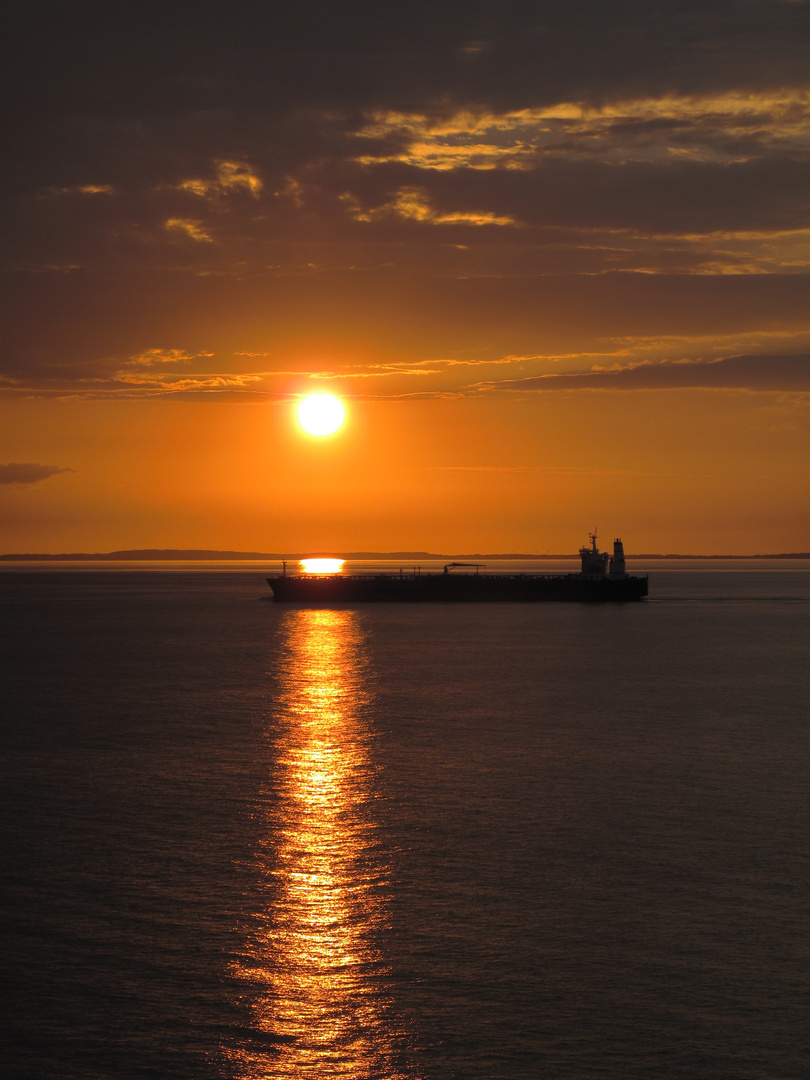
{"points": [[597, 564]]}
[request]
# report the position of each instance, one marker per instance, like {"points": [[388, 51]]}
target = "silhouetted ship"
{"points": [[601, 579]]}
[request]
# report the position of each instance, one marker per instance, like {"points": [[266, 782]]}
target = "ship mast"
{"points": [[594, 563]]}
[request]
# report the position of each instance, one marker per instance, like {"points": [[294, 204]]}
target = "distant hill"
{"points": [[139, 554], [202, 555]]}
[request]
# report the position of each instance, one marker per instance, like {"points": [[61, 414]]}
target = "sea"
{"points": [[247, 840]]}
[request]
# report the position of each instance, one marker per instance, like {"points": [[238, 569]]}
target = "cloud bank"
{"points": [[754, 373], [337, 166], [28, 473]]}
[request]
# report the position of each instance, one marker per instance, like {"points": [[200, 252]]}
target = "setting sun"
{"points": [[320, 414]]}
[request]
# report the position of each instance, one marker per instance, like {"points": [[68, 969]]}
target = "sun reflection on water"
{"points": [[321, 566], [322, 1007]]}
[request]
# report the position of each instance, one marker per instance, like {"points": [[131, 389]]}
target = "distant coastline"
{"points": [[194, 555]]}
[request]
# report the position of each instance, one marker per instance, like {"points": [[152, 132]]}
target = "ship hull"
{"points": [[454, 588]]}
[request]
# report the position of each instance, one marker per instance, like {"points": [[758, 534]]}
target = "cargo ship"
{"points": [[601, 579]]}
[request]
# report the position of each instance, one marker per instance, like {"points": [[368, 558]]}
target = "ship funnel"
{"points": [[617, 570]]}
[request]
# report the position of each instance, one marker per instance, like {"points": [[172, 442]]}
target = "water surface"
{"points": [[496, 841]]}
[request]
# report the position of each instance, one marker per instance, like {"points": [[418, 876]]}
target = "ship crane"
{"points": [[453, 565]]}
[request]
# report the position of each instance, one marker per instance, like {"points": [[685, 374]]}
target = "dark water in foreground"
{"points": [[487, 841]]}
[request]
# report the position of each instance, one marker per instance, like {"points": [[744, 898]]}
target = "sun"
{"points": [[320, 414]]}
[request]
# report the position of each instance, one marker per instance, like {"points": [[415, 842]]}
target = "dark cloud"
{"points": [[28, 473], [677, 197], [172, 162], [762, 373], [138, 92], [147, 58]]}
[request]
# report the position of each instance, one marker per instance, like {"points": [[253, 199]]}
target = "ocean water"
{"points": [[493, 842]]}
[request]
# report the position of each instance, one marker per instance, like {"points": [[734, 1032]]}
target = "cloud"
{"points": [[755, 373], [416, 179], [725, 127], [28, 473], [376, 371], [152, 357], [412, 204], [709, 184], [231, 176], [171, 384], [83, 189], [690, 122], [193, 229], [574, 470]]}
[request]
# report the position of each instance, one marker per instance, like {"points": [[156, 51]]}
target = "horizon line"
{"points": [[218, 555]]}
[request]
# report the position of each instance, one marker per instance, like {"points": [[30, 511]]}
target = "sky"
{"points": [[552, 256]]}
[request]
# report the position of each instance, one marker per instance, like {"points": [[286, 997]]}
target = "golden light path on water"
{"points": [[322, 1008]]}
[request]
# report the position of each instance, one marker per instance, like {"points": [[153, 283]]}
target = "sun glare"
{"points": [[321, 566], [320, 414]]}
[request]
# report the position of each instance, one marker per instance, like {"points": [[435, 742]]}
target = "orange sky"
{"points": [[556, 269]]}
